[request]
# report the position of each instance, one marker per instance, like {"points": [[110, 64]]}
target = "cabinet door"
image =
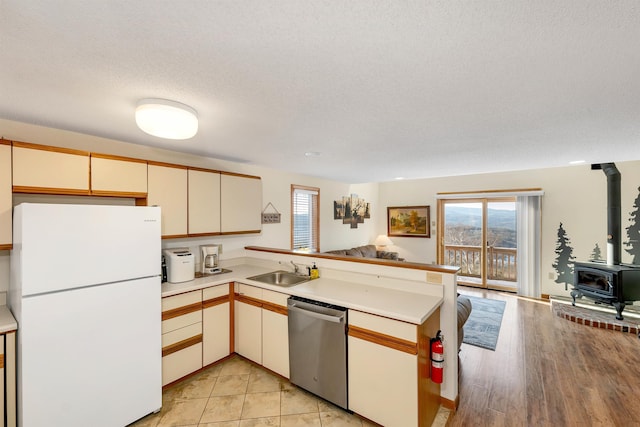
{"points": [[215, 324], [168, 189], [49, 170], [204, 202], [248, 331], [241, 204], [118, 176], [248, 322], [275, 332], [387, 396], [275, 342], [5, 195]]}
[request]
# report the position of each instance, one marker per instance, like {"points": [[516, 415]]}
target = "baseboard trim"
{"points": [[452, 405]]}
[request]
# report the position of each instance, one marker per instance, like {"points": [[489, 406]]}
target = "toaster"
{"points": [[180, 264]]}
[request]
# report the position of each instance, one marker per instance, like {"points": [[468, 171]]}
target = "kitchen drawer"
{"points": [[181, 363], [277, 298], [181, 334], [181, 300], [215, 292], [181, 321], [249, 291], [383, 325]]}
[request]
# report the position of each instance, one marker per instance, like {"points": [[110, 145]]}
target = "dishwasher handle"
{"points": [[321, 316]]}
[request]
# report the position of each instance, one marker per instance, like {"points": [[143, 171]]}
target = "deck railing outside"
{"points": [[501, 265]]}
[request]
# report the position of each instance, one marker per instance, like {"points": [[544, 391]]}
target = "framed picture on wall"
{"points": [[408, 221]]}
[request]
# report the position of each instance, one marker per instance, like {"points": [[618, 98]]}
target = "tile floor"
{"points": [[237, 393]]}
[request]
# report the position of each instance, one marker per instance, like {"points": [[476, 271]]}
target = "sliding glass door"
{"points": [[479, 236]]}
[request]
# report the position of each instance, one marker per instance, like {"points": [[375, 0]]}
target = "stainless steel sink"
{"points": [[280, 278]]}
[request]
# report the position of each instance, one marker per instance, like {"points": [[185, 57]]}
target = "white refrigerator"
{"points": [[85, 290]]}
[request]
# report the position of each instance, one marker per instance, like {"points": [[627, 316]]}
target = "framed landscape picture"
{"points": [[408, 221]]}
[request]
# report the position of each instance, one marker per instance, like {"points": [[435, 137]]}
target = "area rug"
{"points": [[483, 326]]}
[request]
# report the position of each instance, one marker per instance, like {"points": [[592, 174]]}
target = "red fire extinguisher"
{"points": [[437, 358]]}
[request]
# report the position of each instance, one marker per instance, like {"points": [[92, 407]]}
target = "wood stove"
{"points": [[611, 282], [616, 285]]}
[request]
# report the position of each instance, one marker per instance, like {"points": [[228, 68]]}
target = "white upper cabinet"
{"points": [[168, 189], [5, 195], [118, 176], [204, 202], [49, 170], [241, 201]]}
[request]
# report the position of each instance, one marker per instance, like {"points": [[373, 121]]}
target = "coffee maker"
{"points": [[210, 259]]}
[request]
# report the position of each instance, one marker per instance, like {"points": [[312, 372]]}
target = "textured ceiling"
{"points": [[380, 88]]}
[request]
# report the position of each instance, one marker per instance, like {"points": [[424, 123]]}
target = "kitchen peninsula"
{"points": [[393, 311]]}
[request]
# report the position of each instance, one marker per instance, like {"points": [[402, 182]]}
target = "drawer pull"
{"points": [[181, 345]]}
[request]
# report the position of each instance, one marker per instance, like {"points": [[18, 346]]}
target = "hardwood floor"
{"points": [[548, 371]]}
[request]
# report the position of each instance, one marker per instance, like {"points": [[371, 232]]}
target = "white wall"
{"points": [[276, 188], [573, 195]]}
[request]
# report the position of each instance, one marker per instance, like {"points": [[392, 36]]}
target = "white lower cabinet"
{"points": [[262, 328], [181, 335], [382, 383], [215, 324], [8, 375], [275, 332], [388, 370], [248, 322]]}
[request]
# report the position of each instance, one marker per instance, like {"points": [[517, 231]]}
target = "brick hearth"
{"points": [[595, 318]]}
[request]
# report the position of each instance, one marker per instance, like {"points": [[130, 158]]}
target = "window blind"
{"points": [[305, 219]]}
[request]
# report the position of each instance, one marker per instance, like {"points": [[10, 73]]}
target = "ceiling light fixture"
{"points": [[166, 119], [576, 162]]}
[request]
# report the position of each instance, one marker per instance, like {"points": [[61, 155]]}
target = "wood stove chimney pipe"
{"points": [[613, 211]]}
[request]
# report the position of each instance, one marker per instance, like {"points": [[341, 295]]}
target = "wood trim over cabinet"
{"points": [[232, 316], [186, 309], [249, 300], [33, 146], [215, 301], [175, 236], [276, 308], [181, 345], [47, 190], [114, 157], [133, 195], [226, 233], [383, 339], [167, 165], [5, 141], [239, 175]]}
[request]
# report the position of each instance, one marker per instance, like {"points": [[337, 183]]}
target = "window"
{"points": [[305, 221]]}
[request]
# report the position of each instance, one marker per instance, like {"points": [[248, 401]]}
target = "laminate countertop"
{"points": [[7, 321], [395, 304]]}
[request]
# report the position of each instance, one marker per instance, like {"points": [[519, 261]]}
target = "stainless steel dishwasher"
{"points": [[318, 348]]}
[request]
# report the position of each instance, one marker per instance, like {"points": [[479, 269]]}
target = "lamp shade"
{"points": [[383, 240], [166, 119]]}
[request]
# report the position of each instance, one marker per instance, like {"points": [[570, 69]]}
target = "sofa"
{"points": [[366, 251], [464, 310]]}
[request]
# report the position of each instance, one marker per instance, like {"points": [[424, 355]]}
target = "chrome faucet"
{"points": [[296, 268]]}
